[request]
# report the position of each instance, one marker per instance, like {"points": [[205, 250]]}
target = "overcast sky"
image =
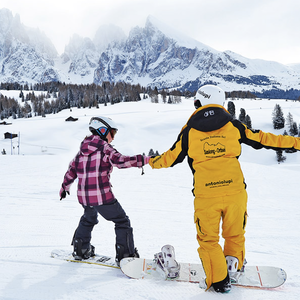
{"points": [[264, 29]]}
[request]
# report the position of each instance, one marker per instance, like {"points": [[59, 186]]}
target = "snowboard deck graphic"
{"points": [[101, 260], [264, 277]]}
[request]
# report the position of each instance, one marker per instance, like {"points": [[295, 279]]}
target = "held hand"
{"points": [[146, 159], [63, 193]]}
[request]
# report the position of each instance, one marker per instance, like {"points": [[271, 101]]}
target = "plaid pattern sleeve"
{"points": [[122, 161], [70, 176]]}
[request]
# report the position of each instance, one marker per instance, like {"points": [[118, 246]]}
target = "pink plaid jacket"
{"points": [[92, 165]]}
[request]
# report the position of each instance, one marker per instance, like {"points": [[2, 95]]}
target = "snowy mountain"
{"points": [[156, 55], [81, 55], [159, 56], [26, 54], [80, 58]]}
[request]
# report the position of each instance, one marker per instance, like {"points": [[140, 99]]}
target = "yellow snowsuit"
{"points": [[211, 140]]}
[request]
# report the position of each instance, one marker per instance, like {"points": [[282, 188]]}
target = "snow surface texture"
{"points": [[159, 204]]}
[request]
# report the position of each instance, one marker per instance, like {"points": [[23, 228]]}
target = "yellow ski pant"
{"points": [[232, 209]]}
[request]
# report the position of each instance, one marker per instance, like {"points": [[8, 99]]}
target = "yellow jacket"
{"points": [[211, 140]]}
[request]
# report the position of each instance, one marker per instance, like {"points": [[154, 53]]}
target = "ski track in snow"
{"points": [[159, 204]]}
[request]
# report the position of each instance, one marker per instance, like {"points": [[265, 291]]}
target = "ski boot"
{"points": [[79, 253], [232, 266], [120, 253], [167, 266]]}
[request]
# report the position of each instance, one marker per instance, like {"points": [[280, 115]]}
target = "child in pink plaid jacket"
{"points": [[92, 166]]}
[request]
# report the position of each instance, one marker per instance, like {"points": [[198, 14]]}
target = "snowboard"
{"points": [[101, 260], [254, 276]]}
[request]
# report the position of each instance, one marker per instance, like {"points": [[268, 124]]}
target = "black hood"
{"points": [[209, 118]]}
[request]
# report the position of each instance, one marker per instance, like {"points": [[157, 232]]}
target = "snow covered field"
{"points": [[160, 205]]}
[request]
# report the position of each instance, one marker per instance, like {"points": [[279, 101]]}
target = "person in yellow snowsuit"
{"points": [[211, 140]]}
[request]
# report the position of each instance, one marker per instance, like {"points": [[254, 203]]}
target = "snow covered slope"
{"points": [[159, 203]]}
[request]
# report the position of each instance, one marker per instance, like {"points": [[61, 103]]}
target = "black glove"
{"points": [[63, 194]]}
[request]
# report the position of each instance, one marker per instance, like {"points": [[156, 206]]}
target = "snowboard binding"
{"points": [[79, 253], [120, 250], [167, 266], [232, 266]]}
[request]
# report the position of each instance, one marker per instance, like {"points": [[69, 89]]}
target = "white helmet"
{"points": [[209, 94], [102, 126]]}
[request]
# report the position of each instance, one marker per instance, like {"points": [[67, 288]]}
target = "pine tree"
{"points": [[154, 98], [151, 152], [294, 129], [248, 122], [278, 118], [289, 121], [21, 95], [231, 108], [242, 115], [280, 157], [164, 96]]}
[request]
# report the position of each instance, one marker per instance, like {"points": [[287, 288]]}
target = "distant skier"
{"points": [[211, 139], [93, 165]]}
